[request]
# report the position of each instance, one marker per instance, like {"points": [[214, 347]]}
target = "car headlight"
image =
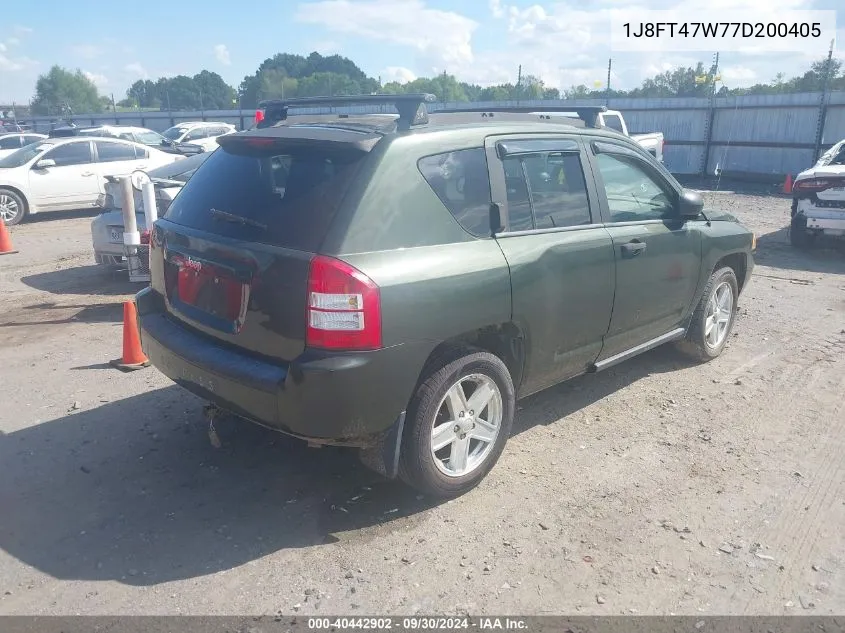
{"points": [[139, 179], [753, 241]]}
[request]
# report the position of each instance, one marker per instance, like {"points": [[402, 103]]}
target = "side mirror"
{"points": [[44, 163], [691, 205]]}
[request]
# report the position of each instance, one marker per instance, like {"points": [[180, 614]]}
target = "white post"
{"points": [[148, 192], [131, 236]]}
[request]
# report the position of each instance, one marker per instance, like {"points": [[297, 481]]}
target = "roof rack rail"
{"points": [[411, 107], [588, 114]]}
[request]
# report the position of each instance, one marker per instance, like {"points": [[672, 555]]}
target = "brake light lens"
{"points": [[259, 116], [344, 307], [817, 184]]}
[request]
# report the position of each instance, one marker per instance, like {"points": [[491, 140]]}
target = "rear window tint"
{"points": [[285, 199], [461, 181]]}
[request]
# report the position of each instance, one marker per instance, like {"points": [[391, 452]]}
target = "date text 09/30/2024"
{"points": [[417, 623]]}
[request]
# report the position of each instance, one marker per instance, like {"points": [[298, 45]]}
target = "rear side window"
{"points": [[613, 122], [10, 142], [108, 152], [282, 198], [460, 179], [546, 190]]}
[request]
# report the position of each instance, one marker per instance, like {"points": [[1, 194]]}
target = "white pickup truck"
{"points": [[613, 120], [652, 142]]}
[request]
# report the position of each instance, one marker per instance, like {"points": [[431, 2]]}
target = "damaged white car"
{"points": [[818, 199]]}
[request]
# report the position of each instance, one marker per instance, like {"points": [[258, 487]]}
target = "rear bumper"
{"points": [[349, 399]]}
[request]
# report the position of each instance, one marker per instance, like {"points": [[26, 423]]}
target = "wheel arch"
{"points": [[503, 340], [738, 262], [20, 194]]}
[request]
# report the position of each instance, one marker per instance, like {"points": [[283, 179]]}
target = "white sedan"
{"points": [[13, 141], [202, 133], [68, 173]]}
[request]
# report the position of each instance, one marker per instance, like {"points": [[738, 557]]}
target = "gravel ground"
{"points": [[656, 487]]}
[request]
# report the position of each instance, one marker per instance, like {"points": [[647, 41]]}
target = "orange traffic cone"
{"points": [[787, 184], [6, 247], [133, 355]]}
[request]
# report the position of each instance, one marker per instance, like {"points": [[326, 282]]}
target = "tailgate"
{"points": [[231, 256]]}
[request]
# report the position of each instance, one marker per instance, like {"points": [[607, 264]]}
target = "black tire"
{"points": [[417, 465], [799, 236], [18, 201], [695, 344]]}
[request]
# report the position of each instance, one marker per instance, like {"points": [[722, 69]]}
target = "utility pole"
{"points": [[708, 128], [607, 90], [519, 85], [823, 103]]}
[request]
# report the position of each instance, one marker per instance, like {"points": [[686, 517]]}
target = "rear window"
{"points": [[282, 198], [461, 181]]}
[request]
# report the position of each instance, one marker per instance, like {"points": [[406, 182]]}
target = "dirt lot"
{"points": [[656, 487]]}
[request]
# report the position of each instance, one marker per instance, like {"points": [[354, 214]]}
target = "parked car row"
{"points": [[63, 174], [68, 169]]}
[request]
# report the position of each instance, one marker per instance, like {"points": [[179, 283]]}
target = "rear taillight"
{"points": [[817, 184], [344, 307], [145, 237], [259, 116]]}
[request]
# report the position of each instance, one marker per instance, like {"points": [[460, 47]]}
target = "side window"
{"points": [[71, 154], [546, 190], [141, 152], [197, 134], [613, 122], [10, 142], [461, 181], [519, 204], [632, 193], [110, 152], [31, 139]]}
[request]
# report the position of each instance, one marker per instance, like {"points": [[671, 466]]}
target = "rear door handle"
{"points": [[633, 248]]}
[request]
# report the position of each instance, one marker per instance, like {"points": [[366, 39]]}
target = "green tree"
{"points": [[60, 89], [214, 93]]}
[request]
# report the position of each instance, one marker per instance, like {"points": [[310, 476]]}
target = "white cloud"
{"points": [[22, 30], [442, 39], [398, 74], [10, 64], [137, 70], [2, 47], [97, 79], [222, 54], [13, 41], [86, 51], [496, 8]]}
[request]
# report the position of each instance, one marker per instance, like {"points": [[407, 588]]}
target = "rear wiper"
{"points": [[231, 217]]}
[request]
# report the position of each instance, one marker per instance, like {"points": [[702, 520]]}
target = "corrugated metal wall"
{"points": [[767, 135]]}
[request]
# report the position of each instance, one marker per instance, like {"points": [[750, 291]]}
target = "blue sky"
{"points": [[482, 41]]}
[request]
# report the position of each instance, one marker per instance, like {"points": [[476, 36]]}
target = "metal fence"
{"points": [[758, 136]]}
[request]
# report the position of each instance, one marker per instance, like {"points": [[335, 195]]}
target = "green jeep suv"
{"points": [[395, 284]]}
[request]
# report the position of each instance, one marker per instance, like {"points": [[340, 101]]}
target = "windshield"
{"points": [[148, 137], [175, 132], [24, 155], [834, 156]]}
